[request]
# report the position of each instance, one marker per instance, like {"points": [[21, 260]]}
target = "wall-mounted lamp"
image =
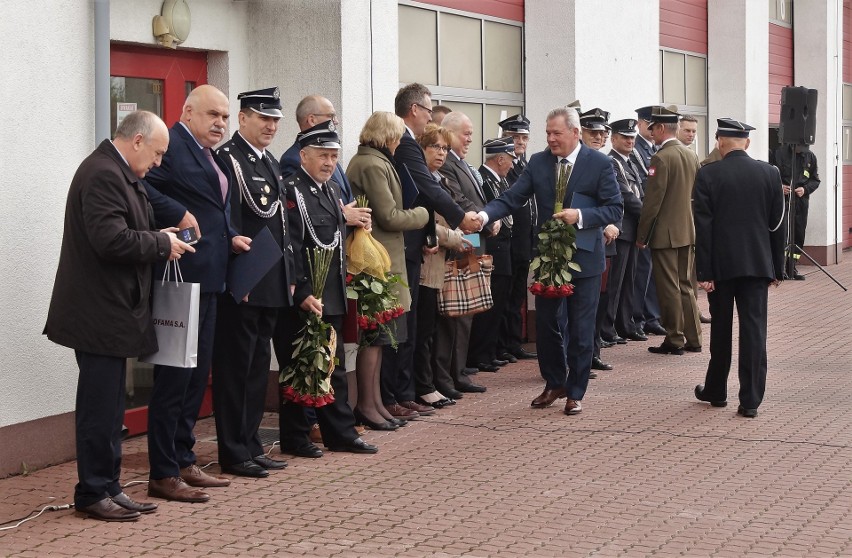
{"points": [[171, 27]]}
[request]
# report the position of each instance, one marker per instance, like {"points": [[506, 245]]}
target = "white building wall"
{"points": [[606, 54], [738, 67], [47, 128], [818, 40]]}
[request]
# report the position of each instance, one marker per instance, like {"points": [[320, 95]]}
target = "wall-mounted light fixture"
{"points": [[171, 27]]}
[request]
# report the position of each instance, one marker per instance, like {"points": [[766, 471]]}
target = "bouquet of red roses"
{"points": [[556, 248], [377, 304], [307, 380]]}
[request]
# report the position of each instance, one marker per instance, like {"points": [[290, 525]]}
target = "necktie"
{"points": [[223, 180], [507, 220]]}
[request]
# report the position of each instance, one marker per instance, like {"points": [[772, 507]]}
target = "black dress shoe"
{"points": [[666, 349], [355, 446], [699, 394], [592, 374], [508, 357], [307, 450], [636, 336], [246, 469], [522, 354], [129, 503], [704, 319], [747, 413], [598, 364], [468, 371], [384, 425], [618, 340], [107, 510], [604, 344], [451, 393], [798, 277], [470, 388], [485, 367], [655, 329], [268, 463], [399, 423], [498, 362], [692, 348]]}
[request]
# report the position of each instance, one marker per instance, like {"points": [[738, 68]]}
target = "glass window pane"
{"points": [[503, 57], [493, 115], [701, 138], [773, 9], [847, 102], [673, 78], [129, 94], [847, 144], [418, 46], [474, 112], [461, 51], [696, 81]]}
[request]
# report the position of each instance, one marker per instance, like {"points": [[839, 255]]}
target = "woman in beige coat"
{"points": [[371, 173]]}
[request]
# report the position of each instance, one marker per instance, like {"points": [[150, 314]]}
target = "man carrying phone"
{"points": [[244, 328]]}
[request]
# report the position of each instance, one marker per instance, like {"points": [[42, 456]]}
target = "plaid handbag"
{"points": [[467, 286]]}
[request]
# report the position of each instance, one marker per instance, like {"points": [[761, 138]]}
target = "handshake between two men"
{"points": [[473, 222]]}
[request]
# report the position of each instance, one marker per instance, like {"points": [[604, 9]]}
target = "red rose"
{"points": [[564, 290], [550, 290], [349, 278]]}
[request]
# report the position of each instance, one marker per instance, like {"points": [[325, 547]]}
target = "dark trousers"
{"points": [[511, 328], [800, 223], [427, 377], [98, 420], [336, 421], [750, 294], [450, 352], [568, 362], [241, 357], [397, 373], [176, 399], [619, 309], [486, 325], [646, 309]]}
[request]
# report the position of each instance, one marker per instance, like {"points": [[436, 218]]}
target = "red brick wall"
{"points": [[683, 25], [780, 67]]}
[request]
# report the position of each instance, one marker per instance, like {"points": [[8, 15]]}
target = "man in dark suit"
{"points": [[509, 343], [482, 348], [801, 187], [619, 311], [101, 300], [666, 226], [592, 201], [313, 203], [242, 349], [739, 208], [413, 103], [452, 339], [192, 179], [646, 313]]}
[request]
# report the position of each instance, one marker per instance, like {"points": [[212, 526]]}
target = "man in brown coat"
{"points": [[666, 226], [100, 304]]}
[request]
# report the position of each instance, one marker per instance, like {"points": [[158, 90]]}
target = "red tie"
{"points": [[223, 180]]}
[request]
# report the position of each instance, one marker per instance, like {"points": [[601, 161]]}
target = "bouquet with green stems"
{"points": [[307, 380]]}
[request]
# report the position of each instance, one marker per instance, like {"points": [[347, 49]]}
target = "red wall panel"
{"points": [[847, 41], [846, 210], [683, 25], [506, 9], [780, 67]]}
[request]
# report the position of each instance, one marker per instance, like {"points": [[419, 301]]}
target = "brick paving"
{"points": [[645, 470]]}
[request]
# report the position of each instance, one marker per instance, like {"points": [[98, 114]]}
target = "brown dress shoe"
{"points": [[547, 397], [573, 407], [107, 510], [420, 409], [129, 503], [173, 488], [398, 411], [194, 476]]}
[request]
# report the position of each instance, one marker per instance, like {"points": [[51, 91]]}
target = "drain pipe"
{"points": [[102, 97]]}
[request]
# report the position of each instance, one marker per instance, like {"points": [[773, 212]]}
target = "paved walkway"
{"points": [[645, 470]]}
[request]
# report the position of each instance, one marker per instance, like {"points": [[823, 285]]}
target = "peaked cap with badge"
{"points": [[625, 127], [499, 145], [262, 101], [728, 127], [661, 115], [322, 136], [595, 119], [517, 124]]}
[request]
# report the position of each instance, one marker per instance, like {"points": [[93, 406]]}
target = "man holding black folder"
{"points": [[245, 322]]}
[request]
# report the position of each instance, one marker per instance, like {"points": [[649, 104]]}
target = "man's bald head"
{"points": [[728, 144], [313, 110], [206, 112]]}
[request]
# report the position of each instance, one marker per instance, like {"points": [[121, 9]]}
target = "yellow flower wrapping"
{"points": [[365, 254]]}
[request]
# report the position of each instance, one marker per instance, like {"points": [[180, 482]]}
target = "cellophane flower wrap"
{"points": [[552, 266], [371, 284], [307, 380]]}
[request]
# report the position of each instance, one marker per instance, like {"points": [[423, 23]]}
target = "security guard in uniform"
{"points": [[244, 328], [509, 341], [806, 181]]}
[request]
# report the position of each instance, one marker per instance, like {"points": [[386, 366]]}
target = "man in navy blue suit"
{"points": [[592, 201], [192, 181]]}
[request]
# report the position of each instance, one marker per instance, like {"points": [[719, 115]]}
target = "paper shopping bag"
{"points": [[175, 315]]}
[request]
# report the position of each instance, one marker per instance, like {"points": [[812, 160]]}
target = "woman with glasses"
{"points": [[435, 142], [372, 173]]}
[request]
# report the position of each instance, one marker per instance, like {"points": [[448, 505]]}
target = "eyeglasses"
{"points": [[424, 108], [330, 115], [439, 147]]}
